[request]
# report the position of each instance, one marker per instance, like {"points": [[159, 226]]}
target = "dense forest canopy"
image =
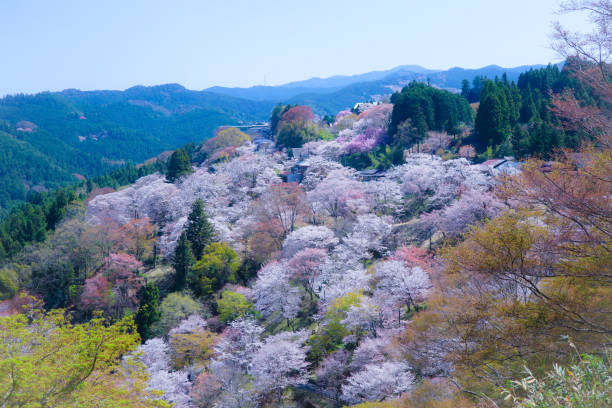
{"points": [[72, 134]]}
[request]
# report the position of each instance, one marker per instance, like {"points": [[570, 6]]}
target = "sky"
{"points": [[116, 44]]}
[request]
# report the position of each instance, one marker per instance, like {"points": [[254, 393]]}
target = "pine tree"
{"points": [[182, 261], [465, 89], [148, 311], [200, 232], [178, 165], [491, 121]]}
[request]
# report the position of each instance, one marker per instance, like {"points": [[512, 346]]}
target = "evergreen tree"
{"points": [[200, 232], [465, 89], [148, 311], [178, 165], [182, 261], [491, 119]]}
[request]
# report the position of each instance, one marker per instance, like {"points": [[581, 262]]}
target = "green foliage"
{"points": [[218, 265], [29, 222], [174, 308], [383, 157], [517, 119], [329, 336], [182, 261], [232, 306], [199, 230], [586, 384], [148, 312], [179, 165], [91, 133], [45, 361], [427, 108], [295, 134], [277, 113], [230, 136], [9, 283]]}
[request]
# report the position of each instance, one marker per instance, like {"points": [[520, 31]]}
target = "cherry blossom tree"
{"points": [[435, 182], [324, 149], [233, 357], [471, 207], [279, 363], [332, 371], [284, 202], [96, 294], [344, 120], [400, 284], [383, 196], [114, 288], [338, 196], [436, 141], [305, 267], [365, 141], [298, 114], [155, 355], [308, 237], [368, 236], [238, 343], [371, 350], [338, 279], [273, 294], [363, 318], [377, 382], [317, 169], [205, 390], [413, 256]]}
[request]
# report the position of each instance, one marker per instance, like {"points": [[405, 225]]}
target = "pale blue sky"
{"points": [[115, 44]]}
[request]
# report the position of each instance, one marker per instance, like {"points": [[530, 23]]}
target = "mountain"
{"points": [[391, 79], [53, 138], [74, 134]]}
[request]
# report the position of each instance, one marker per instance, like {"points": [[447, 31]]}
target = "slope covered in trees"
{"points": [[52, 139], [519, 118], [258, 279]]}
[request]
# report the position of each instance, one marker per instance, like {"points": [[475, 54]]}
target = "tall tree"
{"points": [[178, 165], [182, 261], [200, 231], [148, 311], [491, 123]]}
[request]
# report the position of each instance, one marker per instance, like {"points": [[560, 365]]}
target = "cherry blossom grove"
{"points": [[341, 263]]}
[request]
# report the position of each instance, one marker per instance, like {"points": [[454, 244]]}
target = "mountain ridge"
{"points": [[334, 83]]}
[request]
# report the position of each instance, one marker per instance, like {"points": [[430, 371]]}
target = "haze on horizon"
{"points": [[116, 44]]}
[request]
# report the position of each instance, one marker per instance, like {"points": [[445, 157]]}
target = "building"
{"points": [[263, 144], [370, 174], [506, 166], [295, 174]]}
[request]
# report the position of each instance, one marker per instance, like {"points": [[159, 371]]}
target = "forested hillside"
{"points": [[392, 255], [73, 134]]}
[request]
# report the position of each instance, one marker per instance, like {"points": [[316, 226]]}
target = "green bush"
{"points": [[586, 384], [174, 308], [232, 306]]}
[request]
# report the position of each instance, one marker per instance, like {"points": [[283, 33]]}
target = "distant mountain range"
{"points": [[53, 138], [375, 82]]}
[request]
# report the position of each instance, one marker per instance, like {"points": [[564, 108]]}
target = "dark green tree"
{"points": [[491, 120], [277, 113], [465, 88], [178, 165], [148, 311], [182, 261], [200, 231]]}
